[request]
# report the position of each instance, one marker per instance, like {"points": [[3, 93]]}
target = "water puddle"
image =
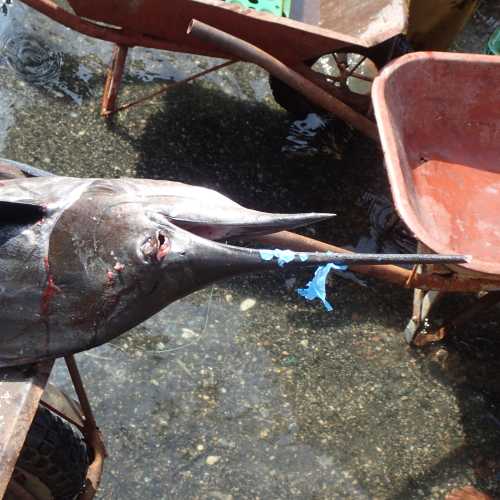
{"points": [[189, 398], [243, 390], [31, 60], [315, 135]]}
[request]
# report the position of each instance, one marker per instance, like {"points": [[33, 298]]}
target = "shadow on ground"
{"points": [[201, 135], [178, 142]]}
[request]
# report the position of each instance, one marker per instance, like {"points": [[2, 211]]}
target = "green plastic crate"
{"points": [[276, 7], [493, 45]]}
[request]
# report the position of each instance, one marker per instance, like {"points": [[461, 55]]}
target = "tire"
{"points": [[54, 460], [290, 100]]}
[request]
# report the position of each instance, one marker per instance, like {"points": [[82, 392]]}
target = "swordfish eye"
{"points": [[155, 248]]}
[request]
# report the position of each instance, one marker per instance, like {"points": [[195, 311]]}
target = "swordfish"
{"points": [[84, 260]]}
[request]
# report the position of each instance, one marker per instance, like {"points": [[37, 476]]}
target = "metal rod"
{"points": [[170, 87], [113, 80], [288, 240], [416, 258], [91, 432], [80, 391], [361, 77], [356, 66], [248, 52]]}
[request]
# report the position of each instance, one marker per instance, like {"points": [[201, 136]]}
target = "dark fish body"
{"points": [[91, 264]]}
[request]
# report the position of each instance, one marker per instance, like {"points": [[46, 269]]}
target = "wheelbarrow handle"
{"points": [[245, 51]]}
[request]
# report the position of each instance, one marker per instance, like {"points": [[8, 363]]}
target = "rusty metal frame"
{"points": [[114, 76], [24, 389], [20, 391], [91, 432]]}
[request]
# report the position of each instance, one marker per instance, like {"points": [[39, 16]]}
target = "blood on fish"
{"points": [[50, 289]]}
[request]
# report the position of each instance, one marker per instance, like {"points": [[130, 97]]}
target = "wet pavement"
{"points": [[244, 390]]}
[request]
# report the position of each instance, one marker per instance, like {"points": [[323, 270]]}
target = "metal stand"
{"points": [[423, 301], [422, 304], [91, 433], [113, 80], [485, 302]]}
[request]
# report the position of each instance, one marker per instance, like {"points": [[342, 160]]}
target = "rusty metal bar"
{"points": [[80, 391], [113, 80], [452, 282], [91, 432], [170, 87], [361, 77], [248, 52]]}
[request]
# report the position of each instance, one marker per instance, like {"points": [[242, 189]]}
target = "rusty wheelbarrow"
{"points": [[285, 39], [439, 121], [441, 140], [50, 446]]}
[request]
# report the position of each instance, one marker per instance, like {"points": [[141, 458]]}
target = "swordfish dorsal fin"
{"points": [[13, 212]]}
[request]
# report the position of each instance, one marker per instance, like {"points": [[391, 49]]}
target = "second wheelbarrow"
{"points": [[292, 34], [439, 122]]}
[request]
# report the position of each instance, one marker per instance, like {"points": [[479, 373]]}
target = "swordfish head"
{"points": [[141, 247], [84, 260]]}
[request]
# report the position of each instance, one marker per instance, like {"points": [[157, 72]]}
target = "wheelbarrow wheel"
{"points": [[53, 462], [347, 89], [347, 73]]}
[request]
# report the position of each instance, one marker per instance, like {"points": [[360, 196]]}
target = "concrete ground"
{"points": [[244, 390]]}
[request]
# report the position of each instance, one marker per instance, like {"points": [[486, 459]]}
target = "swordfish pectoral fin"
{"points": [[12, 212]]}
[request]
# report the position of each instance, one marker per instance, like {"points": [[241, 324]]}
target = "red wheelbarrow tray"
{"points": [[438, 116]]}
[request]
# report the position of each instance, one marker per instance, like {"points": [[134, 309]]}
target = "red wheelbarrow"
{"points": [[286, 44], [439, 122]]}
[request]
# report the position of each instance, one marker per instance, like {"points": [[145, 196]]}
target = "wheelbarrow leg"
{"points": [[90, 431], [422, 304], [482, 304], [113, 79]]}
